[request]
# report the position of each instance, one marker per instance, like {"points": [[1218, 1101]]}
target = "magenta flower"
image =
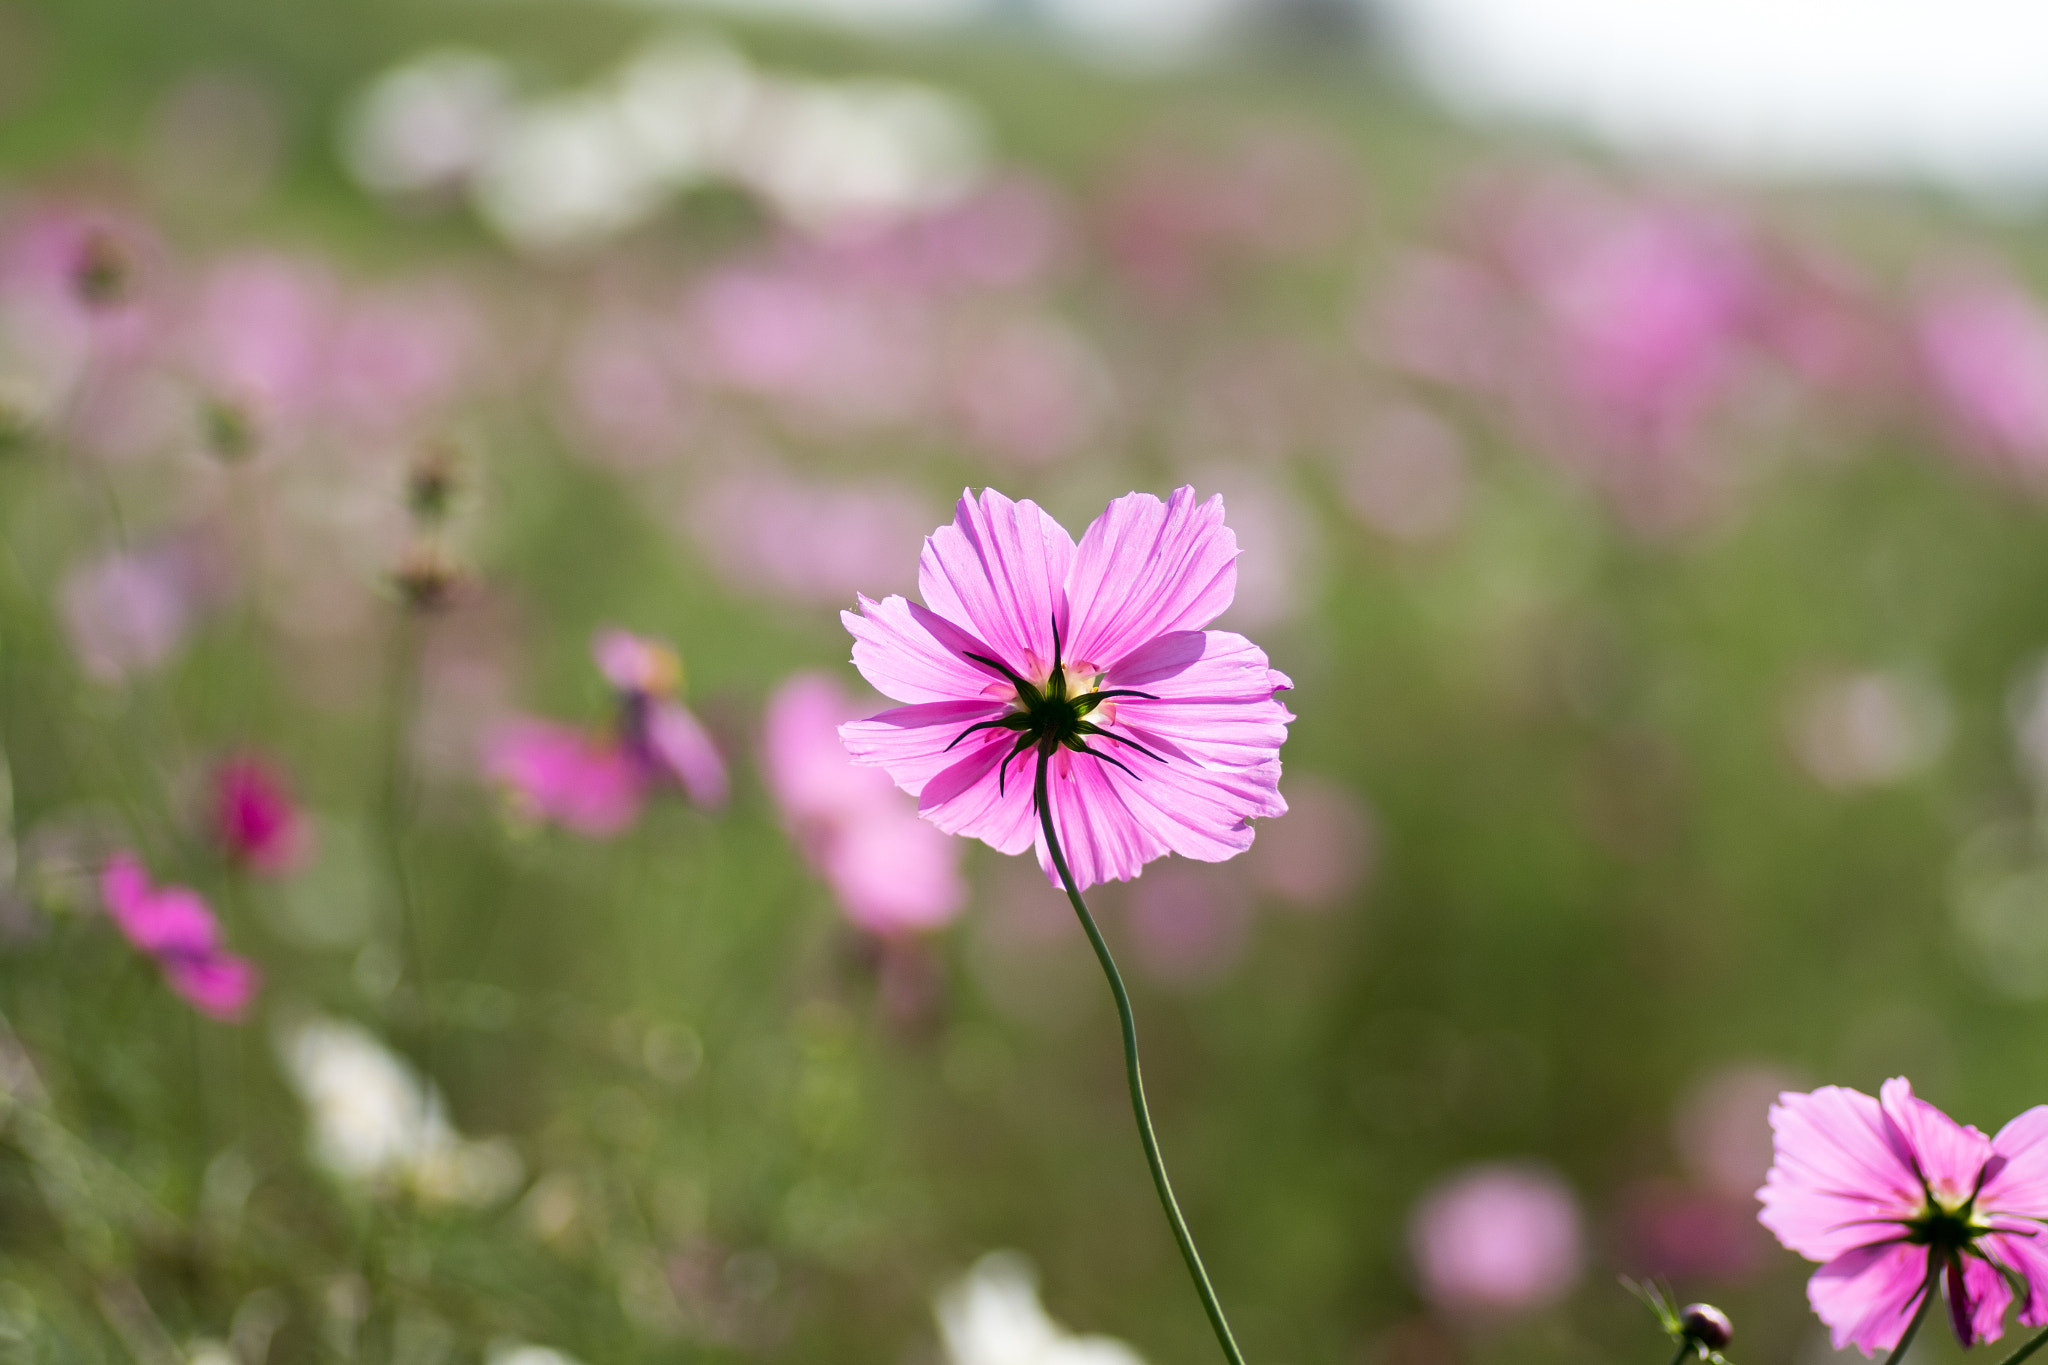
{"points": [[1153, 735], [1982, 344], [658, 731], [595, 784], [561, 775], [1893, 1195], [891, 872], [173, 925], [254, 817]]}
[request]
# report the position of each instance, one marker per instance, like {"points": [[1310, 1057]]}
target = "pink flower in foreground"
{"points": [[1151, 734], [174, 926], [1497, 1238], [1892, 1194], [254, 817], [595, 784], [891, 872]]}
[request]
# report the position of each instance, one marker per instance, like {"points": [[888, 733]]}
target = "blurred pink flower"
{"points": [[1894, 1195], [654, 728], [561, 775], [127, 611], [254, 817], [1009, 234], [828, 349], [400, 355], [1023, 634], [803, 540], [1498, 1238], [595, 784], [80, 279], [1683, 1233], [891, 872], [257, 343], [174, 926], [1027, 390], [1720, 1127], [1982, 344], [624, 392]]}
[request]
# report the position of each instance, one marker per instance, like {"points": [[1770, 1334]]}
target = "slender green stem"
{"points": [[1685, 1348], [1928, 1293], [1145, 1135], [2035, 1343], [395, 812]]}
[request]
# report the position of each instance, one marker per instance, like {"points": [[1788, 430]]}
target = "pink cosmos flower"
{"points": [[1982, 345], [657, 730], [1152, 734], [595, 784], [174, 926], [1893, 1195], [1497, 1238], [127, 611], [254, 817], [557, 773], [891, 872]]}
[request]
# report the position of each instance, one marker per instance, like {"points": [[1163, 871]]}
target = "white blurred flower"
{"points": [[991, 1316], [1870, 728], [684, 103], [526, 1353], [835, 154], [429, 123], [569, 171], [375, 1123]]}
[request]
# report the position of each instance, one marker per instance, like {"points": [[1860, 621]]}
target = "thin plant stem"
{"points": [[2034, 1343], [1685, 1348], [1927, 1293], [395, 811], [1210, 1305]]}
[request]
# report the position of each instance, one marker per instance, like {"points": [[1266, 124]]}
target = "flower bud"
{"points": [[430, 484], [101, 275], [1707, 1325], [229, 432], [426, 578]]}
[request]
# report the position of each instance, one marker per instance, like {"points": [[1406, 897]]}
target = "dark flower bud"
{"points": [[229, 432], [1707, 1325], [100, 275], [430, 484], [426, 578]]}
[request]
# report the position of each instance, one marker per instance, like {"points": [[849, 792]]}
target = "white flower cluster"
{"points": [[992, 1316], [575, 168], [375, 1124]]}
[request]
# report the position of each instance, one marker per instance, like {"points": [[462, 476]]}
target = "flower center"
{"points": [[1053, 715], [1945, 1225]]}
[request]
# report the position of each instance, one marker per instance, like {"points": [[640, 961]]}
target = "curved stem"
{"points": [[2038, 1340], [1685, 1348], [1927, 1296], [1145, 1135]]}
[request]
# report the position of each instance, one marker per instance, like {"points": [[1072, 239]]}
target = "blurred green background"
{"points": [[1668, 721]]}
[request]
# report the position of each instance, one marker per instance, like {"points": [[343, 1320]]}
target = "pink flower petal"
{"points": [[688, 754], [1000, 569], [2023, 1252], [1837, 1172], [894, 873], [219, 984], [1147, 568], [1986, 1296], [562, 776], [974, 799], [1867, 1295], [1950, 1155], [911, 741], [911, 655], [2021, 1185]]}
